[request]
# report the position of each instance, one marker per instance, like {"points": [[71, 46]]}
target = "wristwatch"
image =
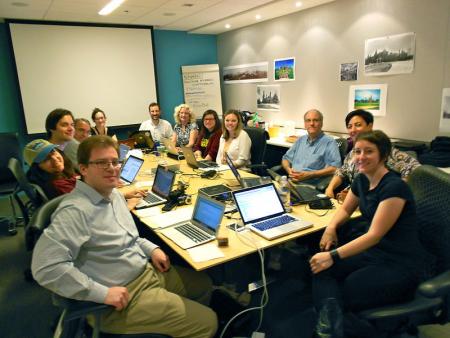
{"points": [[335, 255]]}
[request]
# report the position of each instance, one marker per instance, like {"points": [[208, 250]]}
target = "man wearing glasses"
{"points": [[92, 251], [313, 155]]}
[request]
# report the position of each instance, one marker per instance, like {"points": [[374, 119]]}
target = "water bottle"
{"points": [[285, 193]]}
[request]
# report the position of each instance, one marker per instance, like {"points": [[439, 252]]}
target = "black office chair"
{"points": [[9, 147], [35, 196], [259, 139], [72, 323], [431, 304]]}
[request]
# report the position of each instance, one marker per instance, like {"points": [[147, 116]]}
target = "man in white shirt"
{"points": [[158, 127]]}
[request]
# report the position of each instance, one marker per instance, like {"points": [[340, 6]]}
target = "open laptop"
{"points": [[162, 186], [263, 212], [143, 139], [202, 227], [192, 161], [171, 149], [130, 169], [245, 182], [123, 151], [303, 194]]}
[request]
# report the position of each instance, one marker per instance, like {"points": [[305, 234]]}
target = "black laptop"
{"points": [[245, 182]]}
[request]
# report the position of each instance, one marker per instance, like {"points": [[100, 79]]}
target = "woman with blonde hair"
{"points": [[234, 141], [186, 129]]}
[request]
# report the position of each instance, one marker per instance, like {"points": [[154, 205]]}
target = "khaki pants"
{"points": [[159, 304]]}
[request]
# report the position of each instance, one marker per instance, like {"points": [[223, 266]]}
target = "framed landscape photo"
{"points": [[268, 97], [284, 69], [444, 121], [368, 97], [388, 55], [251, 72], [348, 71]]}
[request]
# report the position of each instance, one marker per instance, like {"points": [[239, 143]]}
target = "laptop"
{"points": [[202, 227], [123, 151], [303, 193], [263, 212], [130, 169], [193, 163], [171, 149], [143, 139], [245, 182], [162, 186]]}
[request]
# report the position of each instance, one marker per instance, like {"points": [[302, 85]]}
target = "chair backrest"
{"points": [[9, 147], [259, 139], [431, 189], [40, 220], [343, 145]]}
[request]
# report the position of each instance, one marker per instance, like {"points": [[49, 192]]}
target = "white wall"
{"points": [[322, 38]]}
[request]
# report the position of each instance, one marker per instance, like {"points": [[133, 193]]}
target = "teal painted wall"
{"points": [[173, 49]]}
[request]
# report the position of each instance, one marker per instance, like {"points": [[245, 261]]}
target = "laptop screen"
{"points": [[163, 181], [233, 168], [131, 168], [258, 203], [208, 212], [123, 151]]}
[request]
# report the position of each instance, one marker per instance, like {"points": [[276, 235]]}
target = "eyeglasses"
{"points": [[104, 164]]}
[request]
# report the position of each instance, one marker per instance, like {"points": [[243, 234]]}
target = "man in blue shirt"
{"points": [[313, 155]]}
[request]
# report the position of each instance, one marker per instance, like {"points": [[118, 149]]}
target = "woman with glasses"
{"points": [[185, 130], [234, 141], [100, 128], [208, 139]]}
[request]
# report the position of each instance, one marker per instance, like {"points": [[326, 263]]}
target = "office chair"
{"points": [[431, 304], [72, 323], [259, 139], [34, 193], [9, 147]]}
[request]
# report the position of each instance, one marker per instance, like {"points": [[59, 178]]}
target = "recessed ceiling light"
{"points": [[188, 5], [19, 4], [110, 7], [227, 26], [298, 4], [169, 14], [258, 16]]}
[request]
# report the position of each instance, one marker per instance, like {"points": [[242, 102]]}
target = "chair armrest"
{"points": [[438, 286], [78, 308]]}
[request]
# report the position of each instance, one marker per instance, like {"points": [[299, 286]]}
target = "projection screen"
{"points": [[82, 67]]}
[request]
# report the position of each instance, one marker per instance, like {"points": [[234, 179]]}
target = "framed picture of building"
{"points": [[368, 97], [268, 97]]}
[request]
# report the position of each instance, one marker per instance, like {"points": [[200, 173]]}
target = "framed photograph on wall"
{"points": [[388, 55], [444, 121], [268, 97], [368, 97], [284, 69], [348, 71], [245, 73]]}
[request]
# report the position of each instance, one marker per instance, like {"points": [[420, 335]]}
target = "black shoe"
{"points": [[330, 320]]}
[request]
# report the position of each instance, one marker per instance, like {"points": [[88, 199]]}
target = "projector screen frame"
{"points": [[8, 22]]}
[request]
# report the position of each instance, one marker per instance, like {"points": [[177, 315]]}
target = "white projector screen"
{"points": [[82, 67]]}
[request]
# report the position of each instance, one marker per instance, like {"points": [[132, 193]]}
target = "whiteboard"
{"points": [[201, 84], [82, 67]]}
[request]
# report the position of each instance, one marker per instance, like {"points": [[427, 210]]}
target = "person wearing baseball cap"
{"points": [[49, 168]]}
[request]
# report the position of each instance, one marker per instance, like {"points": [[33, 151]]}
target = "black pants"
{"points": [[358, 283]]}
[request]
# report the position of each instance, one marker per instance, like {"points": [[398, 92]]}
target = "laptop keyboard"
{"points": [[151, 198], [189, 231], [274, 222]]}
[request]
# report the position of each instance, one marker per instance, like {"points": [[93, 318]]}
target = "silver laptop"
{"points": [[162, 186], [202, 227], [263, 212], [170, 147], [245, 182], [192, 161], [130, 169], [123, 151]]}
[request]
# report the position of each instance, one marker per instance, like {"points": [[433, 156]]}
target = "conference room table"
{"points": [[240, 243]]}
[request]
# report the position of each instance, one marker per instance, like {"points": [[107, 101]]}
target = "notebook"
{"points": [[302, 193], [202, 227], [123, 151], [244, 182], [192, 161], [263, 212], [162, 186], [130, 169]]}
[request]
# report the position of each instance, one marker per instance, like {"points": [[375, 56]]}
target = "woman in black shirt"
{"points": [[382, 265]]}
